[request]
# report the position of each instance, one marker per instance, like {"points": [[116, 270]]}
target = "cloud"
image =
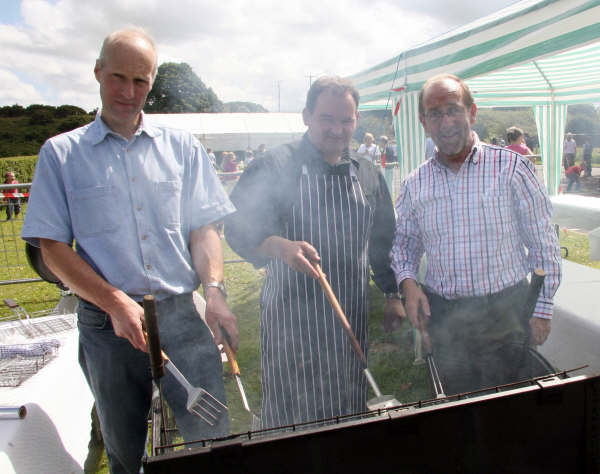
{"points": [[243, 50], [13, 91]]}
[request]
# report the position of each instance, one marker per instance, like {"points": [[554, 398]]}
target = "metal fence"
{"points": [[14, 266]]}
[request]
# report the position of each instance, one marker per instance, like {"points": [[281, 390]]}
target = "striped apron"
{"points": [[309, 369]]}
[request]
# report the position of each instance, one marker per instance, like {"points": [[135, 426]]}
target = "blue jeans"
{"points": [[120, 379]]}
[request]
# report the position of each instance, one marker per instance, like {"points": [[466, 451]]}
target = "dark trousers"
{"points": [[573, 179], [120, 379], [478, 342], [13, 206]]}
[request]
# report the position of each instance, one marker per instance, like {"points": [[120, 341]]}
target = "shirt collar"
{"points": [[99, 130]]}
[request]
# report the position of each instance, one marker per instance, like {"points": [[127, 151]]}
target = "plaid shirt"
{"points": [[475, 226]]}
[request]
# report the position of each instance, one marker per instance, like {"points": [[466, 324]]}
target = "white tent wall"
{"points": [[539, 53], [236, 131]]}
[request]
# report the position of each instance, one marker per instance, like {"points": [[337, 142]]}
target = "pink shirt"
{"points": [[519, 148]]}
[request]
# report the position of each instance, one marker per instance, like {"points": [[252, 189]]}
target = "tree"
{"points": [[177, 89]]}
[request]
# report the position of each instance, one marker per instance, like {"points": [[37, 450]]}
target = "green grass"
{"points": [[391, 355], [578, 245]]}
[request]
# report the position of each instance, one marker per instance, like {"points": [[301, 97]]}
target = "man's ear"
{"points": [[306, 116], [473, 113], [97, 68]]}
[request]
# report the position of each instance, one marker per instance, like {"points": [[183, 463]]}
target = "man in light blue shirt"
{"points": [[140, 201]]}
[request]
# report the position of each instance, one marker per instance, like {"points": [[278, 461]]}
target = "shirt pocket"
{"points": [[95, 211], [169, 198]]}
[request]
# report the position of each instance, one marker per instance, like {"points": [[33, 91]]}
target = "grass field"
{"points": [[391, 355]]}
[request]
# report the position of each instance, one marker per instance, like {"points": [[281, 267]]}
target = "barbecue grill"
{"points": [[547, 424]]}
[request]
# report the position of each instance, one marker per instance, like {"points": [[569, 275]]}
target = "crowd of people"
{"points": [[143, 203]]}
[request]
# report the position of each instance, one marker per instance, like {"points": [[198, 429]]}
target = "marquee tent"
{"points": [[237, 131], [539, 53]]}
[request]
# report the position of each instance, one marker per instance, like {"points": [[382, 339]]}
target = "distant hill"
{"points": [[24, 130]]}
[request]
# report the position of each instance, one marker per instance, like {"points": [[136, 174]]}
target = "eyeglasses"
{"points": [[452, 112]]}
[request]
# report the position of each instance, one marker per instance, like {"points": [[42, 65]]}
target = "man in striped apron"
{"points": [[311, 202]]}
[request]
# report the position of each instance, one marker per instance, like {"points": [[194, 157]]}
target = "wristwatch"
{"points": [[396, 296], [215, 284]]}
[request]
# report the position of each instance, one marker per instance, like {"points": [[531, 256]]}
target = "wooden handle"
{"points": [[235, 368], [533, 293], [337, 309], [153, 339]]}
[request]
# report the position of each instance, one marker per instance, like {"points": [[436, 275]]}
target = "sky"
{"points": [[261, 51]]}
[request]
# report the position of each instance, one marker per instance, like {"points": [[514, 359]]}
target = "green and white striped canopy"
{"points": [[539, 53]]}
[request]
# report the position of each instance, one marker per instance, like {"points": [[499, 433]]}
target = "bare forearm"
{"points": [[207, 253], [77, 274]]}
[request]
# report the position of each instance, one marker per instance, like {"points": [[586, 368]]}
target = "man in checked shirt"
{"points": [[482, 218]]}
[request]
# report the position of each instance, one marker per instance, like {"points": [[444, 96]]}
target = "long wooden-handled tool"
{"points": [[379, 401], [199, 401], [235, 370]]}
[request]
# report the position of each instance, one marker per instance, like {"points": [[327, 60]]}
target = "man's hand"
{"points": [[393, 314], [297, 254], [540, 330], [127, 323], [218, 315], [415, 301]]}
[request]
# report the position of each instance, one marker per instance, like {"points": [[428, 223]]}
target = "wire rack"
{"points": [[15, 370]]}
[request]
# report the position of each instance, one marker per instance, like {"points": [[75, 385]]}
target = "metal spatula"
{"points": [[199, 401]]}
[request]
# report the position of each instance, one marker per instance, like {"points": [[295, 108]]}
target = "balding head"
{"points": [[127, 36]]}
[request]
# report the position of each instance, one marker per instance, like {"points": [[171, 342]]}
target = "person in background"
{"points": [[388, 160], [569, 151], [312, 202], [229, 165], [212, 157], [141, 202], [261, 151], [587, 158], [573, 174], [13, 204], [473, 209], [368, 149], [516, 142]]}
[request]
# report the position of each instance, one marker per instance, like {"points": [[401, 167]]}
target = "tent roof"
{"points": [[236, 131], [524, 54]]}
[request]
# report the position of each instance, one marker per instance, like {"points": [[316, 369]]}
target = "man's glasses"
{"points": [[437, 115]]}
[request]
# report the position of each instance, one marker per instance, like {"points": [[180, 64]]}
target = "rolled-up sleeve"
{"points": [[47, 214], [258, 211]]}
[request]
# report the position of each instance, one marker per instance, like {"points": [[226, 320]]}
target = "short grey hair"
{"points": [[338, 85], [127, 33]]}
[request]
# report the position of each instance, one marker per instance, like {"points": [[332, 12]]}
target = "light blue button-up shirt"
{"points": [[129, 205]]}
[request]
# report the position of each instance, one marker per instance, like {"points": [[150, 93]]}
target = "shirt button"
{"points": [[139, 208], [149, 267], [144, 237], [133, 180]]}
